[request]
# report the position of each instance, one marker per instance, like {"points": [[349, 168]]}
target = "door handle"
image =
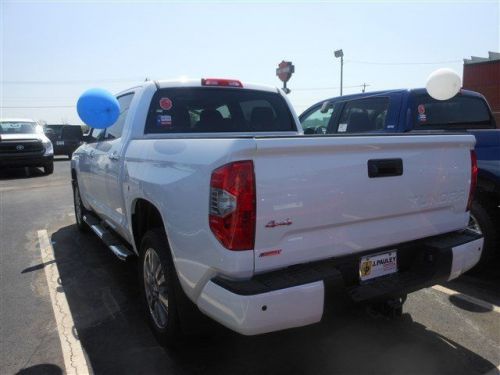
{"points": [[113, 156], [385, 167]]}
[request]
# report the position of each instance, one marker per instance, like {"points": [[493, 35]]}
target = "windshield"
{"points": [[459, 112], [16, 127]]}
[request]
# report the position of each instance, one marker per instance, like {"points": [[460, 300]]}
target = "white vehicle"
{"points": [[213, 185], [23, 144]]}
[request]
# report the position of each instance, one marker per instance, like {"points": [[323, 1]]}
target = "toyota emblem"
{"points": [[19, 147]]}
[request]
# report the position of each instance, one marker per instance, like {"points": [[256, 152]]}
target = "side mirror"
{"points": [[87, 138], [98, 108], [443, 84], [325, 107]]}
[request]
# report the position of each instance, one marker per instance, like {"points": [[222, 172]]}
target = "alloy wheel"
{"points": [[155, 286]]}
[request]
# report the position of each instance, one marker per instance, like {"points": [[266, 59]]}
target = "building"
{"points": [[482, 74]]}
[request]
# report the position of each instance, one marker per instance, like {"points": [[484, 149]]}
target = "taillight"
{"points": [[232, 205], [473, 178], [221, 82]]}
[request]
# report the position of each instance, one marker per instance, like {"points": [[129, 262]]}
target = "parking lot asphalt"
{"points": [[440, 332]]}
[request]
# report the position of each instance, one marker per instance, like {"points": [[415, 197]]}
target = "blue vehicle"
{"points": [[400, 111]]}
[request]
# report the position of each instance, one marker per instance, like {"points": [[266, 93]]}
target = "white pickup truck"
{"points": [[213, 185]]}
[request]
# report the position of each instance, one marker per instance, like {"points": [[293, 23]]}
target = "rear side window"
{"points": [[364, 115], [459, 112], [115, 130], [208, 110]]}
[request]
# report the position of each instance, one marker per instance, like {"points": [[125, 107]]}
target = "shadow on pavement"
{"points": [[61, 158], [103, 296], [483, 284], [469, 306], [7, 174], [18, 173], [43, 369]]}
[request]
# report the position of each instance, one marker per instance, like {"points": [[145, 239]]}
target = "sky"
{"points": [[52, 51]]}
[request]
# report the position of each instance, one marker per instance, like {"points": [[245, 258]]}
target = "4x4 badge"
{"points": [[274, 223]]}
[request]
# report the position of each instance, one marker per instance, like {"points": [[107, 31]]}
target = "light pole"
{"points": [[339, 53]]}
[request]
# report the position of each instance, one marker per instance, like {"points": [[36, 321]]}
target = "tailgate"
{"points": [[315, 198]]}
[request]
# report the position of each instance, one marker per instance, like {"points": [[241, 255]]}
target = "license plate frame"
{"points": [[378, 265]]}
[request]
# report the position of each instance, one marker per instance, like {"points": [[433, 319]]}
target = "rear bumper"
{"points": [[20, 160], [295, 296]]}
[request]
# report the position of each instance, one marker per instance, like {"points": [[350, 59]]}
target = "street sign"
{"points": [[285, 70], [284, 73]]}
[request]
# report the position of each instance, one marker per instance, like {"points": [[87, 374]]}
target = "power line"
{"points": [[39, 106], [72, 106], [37, 98], [325, 88], [403, 63], [70, 82]]}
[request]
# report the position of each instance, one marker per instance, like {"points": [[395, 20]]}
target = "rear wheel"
{"points": [[158, 280], [48, 168], [482, 222]]}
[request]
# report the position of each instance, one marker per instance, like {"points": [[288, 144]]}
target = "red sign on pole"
{"points": [[284, 73], [285, 70]]}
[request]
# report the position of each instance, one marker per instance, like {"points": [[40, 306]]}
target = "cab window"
{"points": [[207, 110], [364, 115], [459, 112]]}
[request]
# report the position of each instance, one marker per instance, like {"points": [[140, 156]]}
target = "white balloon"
{"points": [[443, 84]]}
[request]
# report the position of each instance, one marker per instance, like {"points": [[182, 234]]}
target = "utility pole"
{"points": [[364, 86], [339, 53]]}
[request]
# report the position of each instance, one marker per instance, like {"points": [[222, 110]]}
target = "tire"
{"points": [[159, 292], [48, 168], [80, 210], [482, 222]]}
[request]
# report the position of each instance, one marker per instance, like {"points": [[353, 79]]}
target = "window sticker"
{"points": [[342, 128], [164, 121], [422, 117], [165, 103]]}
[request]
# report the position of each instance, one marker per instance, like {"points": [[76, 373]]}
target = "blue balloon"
{"points": [[98, 108]]}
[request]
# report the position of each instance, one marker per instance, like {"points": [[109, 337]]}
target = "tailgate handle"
{"points": [[385, 167]]}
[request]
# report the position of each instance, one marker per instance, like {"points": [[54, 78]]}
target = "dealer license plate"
{"points": [[377, 265], [60, 143]]}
